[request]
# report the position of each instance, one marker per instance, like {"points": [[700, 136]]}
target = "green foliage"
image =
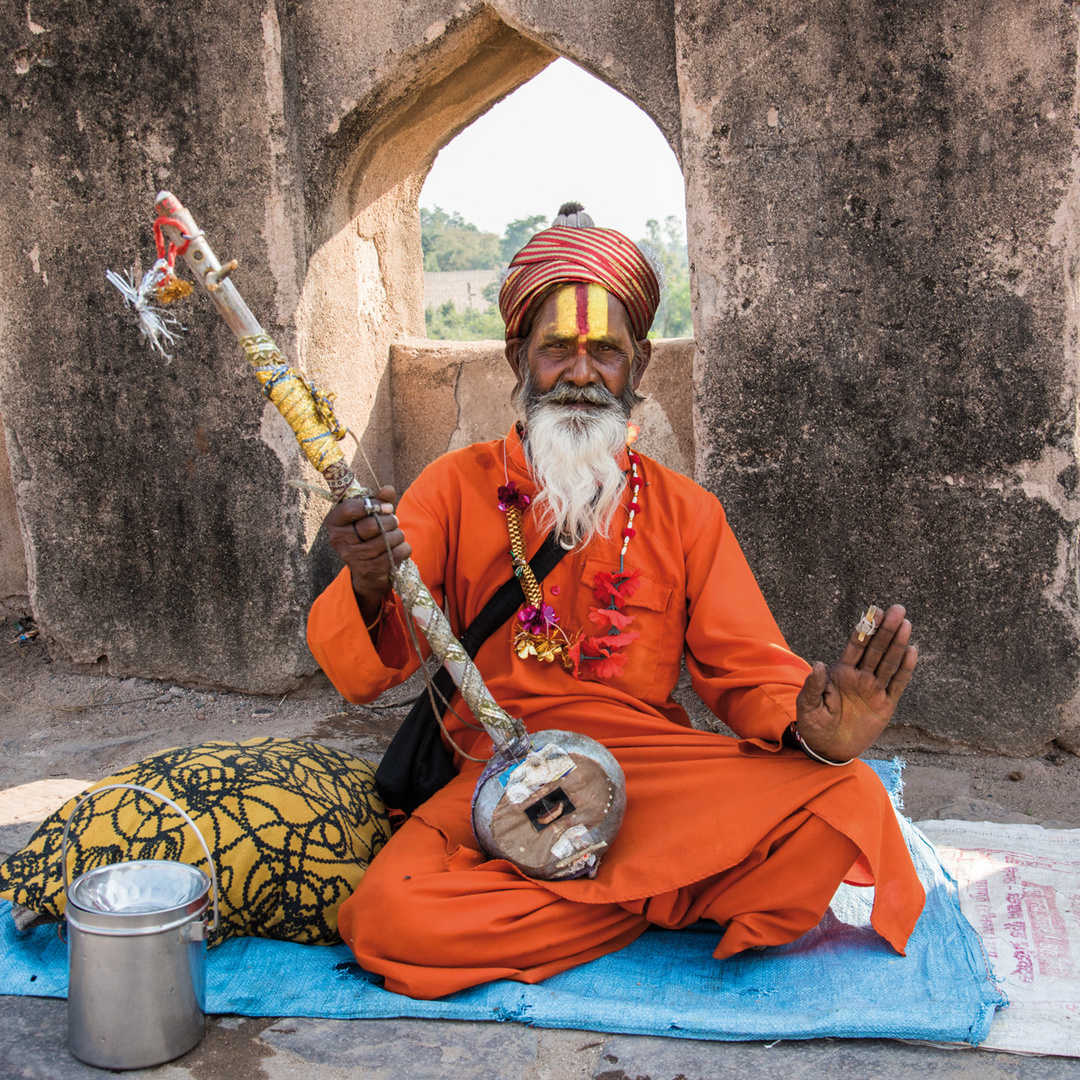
{"points": [[518, 233], [446, 323], [667, 244], [449, 242], [490, 291]]}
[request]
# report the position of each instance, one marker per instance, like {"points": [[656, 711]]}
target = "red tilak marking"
{"points": [[582, 295]]}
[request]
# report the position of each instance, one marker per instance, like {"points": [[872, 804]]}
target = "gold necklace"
{"points": [[536, 629]]}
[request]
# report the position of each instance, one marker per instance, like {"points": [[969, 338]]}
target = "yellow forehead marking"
{"points": [[581, 311], [597, 311], [566, 311]]}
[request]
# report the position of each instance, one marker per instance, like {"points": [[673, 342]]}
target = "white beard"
{"points": [[572, 454]]}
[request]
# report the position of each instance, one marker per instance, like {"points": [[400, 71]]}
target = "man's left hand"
{"points": [[841, 710]]}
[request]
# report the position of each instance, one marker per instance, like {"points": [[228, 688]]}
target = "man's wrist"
{"points": [[795, 740], [371, 609]]}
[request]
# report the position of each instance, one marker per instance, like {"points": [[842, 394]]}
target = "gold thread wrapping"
{"points": [[306, 409], [529, 585]]}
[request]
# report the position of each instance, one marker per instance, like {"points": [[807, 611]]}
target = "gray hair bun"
{"points": [[572, 215]]}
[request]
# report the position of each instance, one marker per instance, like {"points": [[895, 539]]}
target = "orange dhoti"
{"points": [[433, 915], [738, 830]]}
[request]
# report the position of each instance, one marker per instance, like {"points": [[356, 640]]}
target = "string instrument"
{"points": [[550, 802]]}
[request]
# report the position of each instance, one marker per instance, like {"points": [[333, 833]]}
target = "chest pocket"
{"points": [[652, 659]]}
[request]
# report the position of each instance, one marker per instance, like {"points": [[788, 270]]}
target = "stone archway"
{"points": [[361, 307], [364, 284], [300, 137]]}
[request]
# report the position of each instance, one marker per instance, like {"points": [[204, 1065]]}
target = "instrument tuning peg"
{"points": [[214, 278]]}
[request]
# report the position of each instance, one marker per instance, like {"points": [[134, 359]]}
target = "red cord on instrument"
{"points": [[166, 249], [168, 287]]}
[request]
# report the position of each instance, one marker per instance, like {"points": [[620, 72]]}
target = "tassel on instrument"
{"points": [[160, 328]]}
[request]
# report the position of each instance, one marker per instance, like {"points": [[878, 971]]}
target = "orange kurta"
{"points": [[701, 807]]}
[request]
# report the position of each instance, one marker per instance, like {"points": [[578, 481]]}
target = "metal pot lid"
{"points": [[137, 888]]}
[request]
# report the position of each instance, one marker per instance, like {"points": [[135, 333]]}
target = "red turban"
{"points": [[562, 254]]}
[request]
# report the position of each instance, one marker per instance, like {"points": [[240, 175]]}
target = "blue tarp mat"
{"points": [[838, 980]]}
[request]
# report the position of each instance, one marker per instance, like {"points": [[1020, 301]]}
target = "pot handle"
{"points": [[157, 795]]}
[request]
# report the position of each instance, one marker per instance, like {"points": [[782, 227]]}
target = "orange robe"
{"points": [[743, 831]]}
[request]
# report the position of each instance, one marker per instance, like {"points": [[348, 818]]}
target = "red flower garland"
{"points": [[601, 656]]}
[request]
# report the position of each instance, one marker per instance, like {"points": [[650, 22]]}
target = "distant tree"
{"points": [[490, 291], [667, 244], [518, 233], [446, 323], [449, 242]]}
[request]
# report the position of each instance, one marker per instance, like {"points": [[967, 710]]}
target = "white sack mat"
{"points": [[1020, 888]]}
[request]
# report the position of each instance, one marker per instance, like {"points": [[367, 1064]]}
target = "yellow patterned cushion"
{"points": [[292, 827]]}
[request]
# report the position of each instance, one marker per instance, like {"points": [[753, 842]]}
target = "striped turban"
{"points": [[561, 255]]}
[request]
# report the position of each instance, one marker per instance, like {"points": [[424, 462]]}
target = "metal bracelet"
{"points": [[811, 753]]}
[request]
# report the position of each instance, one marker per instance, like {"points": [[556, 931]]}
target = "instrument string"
{"points": [[429, 683]]}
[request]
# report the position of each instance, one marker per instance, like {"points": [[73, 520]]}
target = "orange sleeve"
{"points": [[739, 663], [341, 644], [359, 668]]}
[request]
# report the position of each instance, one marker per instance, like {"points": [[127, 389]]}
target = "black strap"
{"points": [[416, 763], [509, 597]]}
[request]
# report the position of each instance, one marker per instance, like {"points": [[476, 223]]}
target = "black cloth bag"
{"points": [[416, 763]]}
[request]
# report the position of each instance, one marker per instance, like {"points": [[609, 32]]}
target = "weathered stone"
{"points": [[33, 1043], [419, 1049], [883, 215], [980, 810], [926, 788], [627, 1057], [14, 598], [14, 837], [160, 538], [882, 218]]}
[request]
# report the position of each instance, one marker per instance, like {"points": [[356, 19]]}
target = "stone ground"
{"points": [[56, 723]]}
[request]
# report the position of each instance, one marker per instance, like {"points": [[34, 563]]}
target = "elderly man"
{"points": [[754, 833]]}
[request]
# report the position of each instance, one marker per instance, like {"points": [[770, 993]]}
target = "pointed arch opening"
{"points": [[360, 320]]}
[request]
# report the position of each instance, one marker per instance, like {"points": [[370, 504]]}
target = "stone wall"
{"points": [[886, 310], [882, 209], [449, 394]]}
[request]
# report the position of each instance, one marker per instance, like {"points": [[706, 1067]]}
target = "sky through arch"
{"points": [[562, 135]]}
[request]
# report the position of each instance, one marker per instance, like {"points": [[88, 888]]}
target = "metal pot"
{"points": [[137, 954]]}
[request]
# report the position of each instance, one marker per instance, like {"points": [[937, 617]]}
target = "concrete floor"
{"points": [[57, 725], [33, 1047]]}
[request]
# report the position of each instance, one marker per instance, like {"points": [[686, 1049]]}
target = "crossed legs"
{"points": [[433, 921]]}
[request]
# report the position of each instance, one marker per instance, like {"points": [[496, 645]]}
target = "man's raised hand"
{"points": [[353, 527], [842, 709]]}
